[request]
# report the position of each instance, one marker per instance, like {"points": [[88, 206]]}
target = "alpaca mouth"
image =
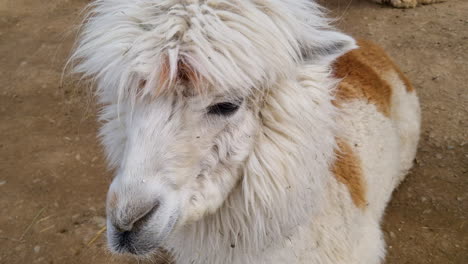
{"points": [[140, 240], [129, 242]]}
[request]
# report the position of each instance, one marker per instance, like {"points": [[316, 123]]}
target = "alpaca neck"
{"points": [[284, 178]]}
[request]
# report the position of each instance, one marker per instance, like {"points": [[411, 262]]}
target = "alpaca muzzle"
{"points": [[137, 226]]}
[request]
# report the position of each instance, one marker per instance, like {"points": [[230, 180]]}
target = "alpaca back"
{"points": [[376, 143], [380, 122]]}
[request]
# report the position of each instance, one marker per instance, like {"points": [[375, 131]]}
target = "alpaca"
{"points": [[408, 3], [245, 131]]}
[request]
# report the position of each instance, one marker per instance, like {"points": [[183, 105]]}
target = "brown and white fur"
{"points": [[245, 131], [408, 3]]}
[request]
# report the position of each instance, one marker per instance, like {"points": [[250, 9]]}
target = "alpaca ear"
{"points": [[326, 46]]}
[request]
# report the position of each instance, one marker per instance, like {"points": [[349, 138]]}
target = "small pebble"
{"points": [[427, 211], [99, 220], [39, 260], [2, 183], [439, 156], [392, 235], [445, 244], [19, 248], [37, 249]]}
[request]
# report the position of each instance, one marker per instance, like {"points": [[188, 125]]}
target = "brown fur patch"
{"points": [[361, 80], [185, 74], [362, 71], [164, 77], [347, 170], [375, 56]]}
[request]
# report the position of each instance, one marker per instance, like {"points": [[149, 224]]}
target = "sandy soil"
{"points": [[52, 176]]}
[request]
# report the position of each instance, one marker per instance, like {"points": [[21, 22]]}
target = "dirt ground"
{"points": [[53, 179]]}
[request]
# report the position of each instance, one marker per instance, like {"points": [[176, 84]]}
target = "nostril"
{"points": [[143, 218], [135, 222]]}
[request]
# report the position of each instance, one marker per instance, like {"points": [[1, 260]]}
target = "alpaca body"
{"points": [[384, 143], [245, 131], [380, 137], [343, 232]]}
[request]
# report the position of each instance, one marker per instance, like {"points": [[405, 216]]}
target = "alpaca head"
{"points": [[181, 158], [183, 84]]}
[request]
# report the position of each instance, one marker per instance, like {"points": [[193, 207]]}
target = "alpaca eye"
{"points": [[223, 109]]}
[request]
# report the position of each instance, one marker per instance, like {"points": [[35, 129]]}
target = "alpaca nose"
{"points": [[139, 218], [132, 219]]}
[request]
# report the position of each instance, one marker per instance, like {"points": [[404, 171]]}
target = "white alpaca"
{"points": [[231, 139]]}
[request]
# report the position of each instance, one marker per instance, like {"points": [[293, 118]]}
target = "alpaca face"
{"points": [[181, 158]]}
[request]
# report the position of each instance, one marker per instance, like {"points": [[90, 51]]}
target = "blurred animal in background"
{"points": [[408, 3]]}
